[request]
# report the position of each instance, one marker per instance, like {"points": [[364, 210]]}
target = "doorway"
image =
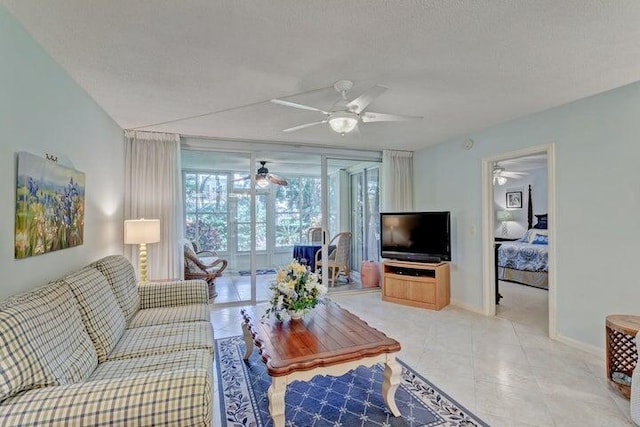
{"points": [[507, 220]]}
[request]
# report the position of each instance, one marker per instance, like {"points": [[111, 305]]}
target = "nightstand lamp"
{"points": [[142, 231], [504, 217]]}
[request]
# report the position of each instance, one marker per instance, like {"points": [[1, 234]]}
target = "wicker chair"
{"points": [[205, 265], [314, 235], [339, 257]]}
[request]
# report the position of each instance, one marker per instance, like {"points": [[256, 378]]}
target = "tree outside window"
{"points": [[297, 208]]}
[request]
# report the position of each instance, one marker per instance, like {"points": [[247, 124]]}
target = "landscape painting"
{"points": [[49, 206]]}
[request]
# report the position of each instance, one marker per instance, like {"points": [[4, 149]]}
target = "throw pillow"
{"points": [[540, 239]]}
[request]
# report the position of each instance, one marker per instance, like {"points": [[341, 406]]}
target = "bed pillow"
{"points": [[540, 239], [541, 221], [536, 232], [526, 237]]}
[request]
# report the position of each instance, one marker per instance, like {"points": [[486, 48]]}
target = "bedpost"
{"points": [[530, 209]]}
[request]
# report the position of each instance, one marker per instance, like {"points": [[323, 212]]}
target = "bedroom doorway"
{"points": [[518, 205]]}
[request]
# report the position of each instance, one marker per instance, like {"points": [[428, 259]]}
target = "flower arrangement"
{"points": [[295, 290]]}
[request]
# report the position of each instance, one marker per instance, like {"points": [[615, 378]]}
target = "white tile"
{"points": [[527, 406]]}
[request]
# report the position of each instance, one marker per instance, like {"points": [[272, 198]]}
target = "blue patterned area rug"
{"points": [[353, 399]]}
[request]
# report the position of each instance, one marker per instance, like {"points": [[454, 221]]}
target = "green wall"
{"points": [[43, 111], [597, 189]]}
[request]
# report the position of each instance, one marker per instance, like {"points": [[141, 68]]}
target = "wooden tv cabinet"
{"points": [[416, 284]]}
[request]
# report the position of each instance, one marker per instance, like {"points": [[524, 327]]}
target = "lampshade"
{"points": [[504, 216], [141, 230], [343, 121]]}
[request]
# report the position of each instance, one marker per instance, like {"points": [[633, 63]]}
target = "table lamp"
{"points": [[142, 231], [504, 217]]}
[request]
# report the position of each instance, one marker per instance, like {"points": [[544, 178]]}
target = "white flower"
{"points": [[295, 286], [283, 288]]}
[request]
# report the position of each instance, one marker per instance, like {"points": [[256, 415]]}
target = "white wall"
{"points": [[597, 204], [538, 180], [43, 111]]}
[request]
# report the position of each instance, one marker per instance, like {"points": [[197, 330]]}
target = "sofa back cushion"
{"points": [[101, 314], [43, 341], [122, 278]]}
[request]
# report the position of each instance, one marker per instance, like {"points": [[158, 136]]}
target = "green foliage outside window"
{"points": [[208, 207]]}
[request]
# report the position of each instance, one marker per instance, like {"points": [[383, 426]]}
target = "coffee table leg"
{"points": [[276, 400], [392, 376], [248, 341]]}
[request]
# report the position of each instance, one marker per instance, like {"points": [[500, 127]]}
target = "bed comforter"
{"points": [[523, 256]]}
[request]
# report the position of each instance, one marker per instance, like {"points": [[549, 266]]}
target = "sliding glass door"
{"points": [[256, 211], [352, 211], [218, 217]]}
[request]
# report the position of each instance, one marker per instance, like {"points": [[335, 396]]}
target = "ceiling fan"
{"points": [[263, 177], [345, 114], [500, 175]]}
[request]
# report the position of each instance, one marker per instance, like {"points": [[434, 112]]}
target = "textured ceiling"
{"points": [[463, 65]]}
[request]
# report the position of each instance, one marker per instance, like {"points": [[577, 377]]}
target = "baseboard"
{"points": [[466, 306], [596, 351]]}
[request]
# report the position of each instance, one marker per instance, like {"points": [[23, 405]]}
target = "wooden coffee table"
{"points": [[328, 341]]}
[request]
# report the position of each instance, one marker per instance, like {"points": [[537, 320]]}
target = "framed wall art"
{"points": [[514, 199], [49, 206]]}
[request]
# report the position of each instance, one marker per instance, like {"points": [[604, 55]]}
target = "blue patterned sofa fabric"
{"points": [[97, 349], [523, 256]]}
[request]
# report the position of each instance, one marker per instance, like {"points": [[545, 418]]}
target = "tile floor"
{"points": [[503, 368]]}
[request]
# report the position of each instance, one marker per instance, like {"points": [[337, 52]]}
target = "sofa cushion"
{"points": [[122, 278], [161, 339], [100, 311], [177, 361], [164, 315], [43, 341]]}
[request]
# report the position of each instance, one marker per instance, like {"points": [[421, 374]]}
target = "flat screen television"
{"points": [[416, 236]]}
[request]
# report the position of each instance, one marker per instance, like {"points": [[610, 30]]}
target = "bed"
{"points": [[526, 260]]}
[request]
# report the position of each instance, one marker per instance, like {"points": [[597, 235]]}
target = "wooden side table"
{"points": [[621, 356]]}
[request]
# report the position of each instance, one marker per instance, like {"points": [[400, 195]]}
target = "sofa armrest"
{"points": [[178, 398], [170, 294]]}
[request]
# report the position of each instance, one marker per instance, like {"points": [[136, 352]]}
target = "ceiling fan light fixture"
{"points": [[262, 181], [343, 121]]}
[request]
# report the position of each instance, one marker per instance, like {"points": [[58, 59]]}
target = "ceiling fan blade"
{"points": [[370, 116], [306, 125], [244, 178], [513, 174], [361, 102], [296, 105], [277, 180]]}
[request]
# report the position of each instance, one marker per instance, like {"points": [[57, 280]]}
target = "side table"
{"points": [[621, 352]]}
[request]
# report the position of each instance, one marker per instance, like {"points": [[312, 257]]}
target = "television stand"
{"points": [[416, 284]]}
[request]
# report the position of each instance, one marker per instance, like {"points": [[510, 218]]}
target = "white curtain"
{"points": [[397, 181], [153, 189]]}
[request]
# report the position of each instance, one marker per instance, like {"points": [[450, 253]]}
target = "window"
{"points": [[244, 222], [206, 215], [297, 208], [283, 213]]}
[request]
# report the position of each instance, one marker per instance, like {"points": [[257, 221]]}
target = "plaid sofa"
{"points": [[95, 349]]}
